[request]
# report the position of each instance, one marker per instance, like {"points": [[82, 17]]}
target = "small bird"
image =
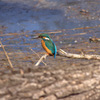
{"points": [[48, 45]]}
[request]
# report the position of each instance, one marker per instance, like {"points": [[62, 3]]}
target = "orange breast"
{"points": [[45, 48]]}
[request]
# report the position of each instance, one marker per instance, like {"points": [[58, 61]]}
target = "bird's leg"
{"points": [[40, 60]]}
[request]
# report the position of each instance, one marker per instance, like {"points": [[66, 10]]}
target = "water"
{"points": [[32, 16]]}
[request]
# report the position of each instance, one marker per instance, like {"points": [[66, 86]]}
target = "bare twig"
{"points": [[41, 59], [37, 55], [9, 34], [63, 53], [6, 55]]}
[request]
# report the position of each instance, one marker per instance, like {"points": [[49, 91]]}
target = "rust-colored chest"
{"points": [[45, 47]]}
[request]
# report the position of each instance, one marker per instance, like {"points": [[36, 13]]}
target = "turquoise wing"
{"points": [[52, 47], [55, 50]]}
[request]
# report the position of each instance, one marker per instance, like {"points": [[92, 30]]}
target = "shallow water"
{"points": [[41, 16]]}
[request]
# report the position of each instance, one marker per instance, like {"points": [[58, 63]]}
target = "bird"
{"points": [[48, 44]]}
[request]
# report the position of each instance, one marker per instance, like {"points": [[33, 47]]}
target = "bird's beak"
{"points": [[35, 37]]}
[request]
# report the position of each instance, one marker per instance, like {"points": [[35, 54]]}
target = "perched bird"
{"points": [[48, 45]]}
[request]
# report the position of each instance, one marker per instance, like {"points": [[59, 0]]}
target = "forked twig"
{"points": [[6, 55], [41, 59], [37, 55]]}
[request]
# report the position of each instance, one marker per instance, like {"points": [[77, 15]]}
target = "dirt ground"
{"points": [[61, 79]]}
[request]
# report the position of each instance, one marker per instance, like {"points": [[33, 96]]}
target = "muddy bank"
{"points": [[61, 79]]}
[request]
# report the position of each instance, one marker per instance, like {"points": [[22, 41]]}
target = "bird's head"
{"points": [[44, 36]]}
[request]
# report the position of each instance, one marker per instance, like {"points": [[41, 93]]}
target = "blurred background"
{"points": [[67, 21]]}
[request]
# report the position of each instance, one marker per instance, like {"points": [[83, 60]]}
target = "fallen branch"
{"points": [[80, 56], [6, 55], [70, 55]]}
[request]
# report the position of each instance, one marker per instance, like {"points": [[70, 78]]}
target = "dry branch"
{"points": [[80, 56], [70, 55], [6, 55]]}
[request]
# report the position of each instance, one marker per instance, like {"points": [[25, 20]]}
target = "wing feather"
{"points": [[51, 46]]}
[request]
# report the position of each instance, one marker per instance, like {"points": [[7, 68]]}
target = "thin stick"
{"points": [[37, 55], [85, 56], [6, 55], [41, 59], [23, 33]]}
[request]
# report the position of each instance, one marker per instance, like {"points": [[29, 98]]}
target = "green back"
{"points": [[49, 44]]}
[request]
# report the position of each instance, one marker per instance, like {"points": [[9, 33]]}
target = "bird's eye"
{"points": [[46, 38]]}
